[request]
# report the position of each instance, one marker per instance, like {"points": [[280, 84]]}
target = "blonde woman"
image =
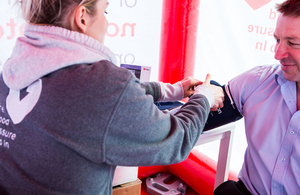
{"points": [[69, 115]]}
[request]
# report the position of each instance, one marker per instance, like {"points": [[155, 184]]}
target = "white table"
{"points": [[225, 135]]}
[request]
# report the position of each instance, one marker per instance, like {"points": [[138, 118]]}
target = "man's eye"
{"points": [[294, 44]]}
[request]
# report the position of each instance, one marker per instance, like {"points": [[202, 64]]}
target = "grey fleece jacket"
{"points": [[69, 116]]}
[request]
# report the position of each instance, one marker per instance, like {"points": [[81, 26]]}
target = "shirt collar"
{"points": [[279, 78]]}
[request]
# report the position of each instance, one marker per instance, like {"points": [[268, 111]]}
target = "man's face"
{"points": [[287, 50]]}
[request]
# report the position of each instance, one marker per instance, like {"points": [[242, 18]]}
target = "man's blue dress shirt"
{"points": [[268, 103]]}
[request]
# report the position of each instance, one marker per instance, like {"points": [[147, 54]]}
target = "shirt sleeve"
{"points": [[242, 86], [170, 92]]}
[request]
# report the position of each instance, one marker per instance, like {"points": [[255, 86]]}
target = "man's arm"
{"points": [[229, 113]]}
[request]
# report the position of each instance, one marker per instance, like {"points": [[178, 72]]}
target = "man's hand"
{"points": [[189, 85], [218, 93]]}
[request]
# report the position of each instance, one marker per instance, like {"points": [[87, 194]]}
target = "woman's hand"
{"points": [[189, 85], [218, 93]]}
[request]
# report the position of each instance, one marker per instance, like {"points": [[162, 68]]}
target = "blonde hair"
{"points": [[53, 12]]}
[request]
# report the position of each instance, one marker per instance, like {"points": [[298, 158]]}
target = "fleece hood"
{"points": [[45, 49]]}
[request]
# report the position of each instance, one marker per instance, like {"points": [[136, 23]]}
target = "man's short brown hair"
{"points": [[289, 8]]}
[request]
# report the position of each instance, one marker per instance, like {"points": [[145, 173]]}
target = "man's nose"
{"points": [[280, 51]]}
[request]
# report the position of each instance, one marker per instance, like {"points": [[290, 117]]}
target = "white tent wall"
{"points": [[233, 36]]}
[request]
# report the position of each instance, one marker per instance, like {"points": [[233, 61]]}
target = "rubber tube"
{"points": [[198, 171], [178, 39]]}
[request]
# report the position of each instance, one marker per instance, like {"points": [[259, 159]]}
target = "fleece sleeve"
{"points": [[152, 88], [140, 134]]}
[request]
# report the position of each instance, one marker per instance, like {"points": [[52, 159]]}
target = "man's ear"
{"points": [[81, 19]]}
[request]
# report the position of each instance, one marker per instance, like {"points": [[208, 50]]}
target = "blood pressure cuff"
{"points": [[229, 113]]}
